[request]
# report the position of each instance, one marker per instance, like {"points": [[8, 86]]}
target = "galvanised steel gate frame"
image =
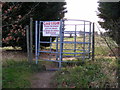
{"points": [[87, 42]]}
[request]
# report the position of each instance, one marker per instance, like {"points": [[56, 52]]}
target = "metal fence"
{"points": [[75, 39]]}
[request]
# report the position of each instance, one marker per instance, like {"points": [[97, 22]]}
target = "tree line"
{"points": [[16, 15]]}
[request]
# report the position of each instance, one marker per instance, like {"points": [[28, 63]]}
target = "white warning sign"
{"points": [[51, 28]]}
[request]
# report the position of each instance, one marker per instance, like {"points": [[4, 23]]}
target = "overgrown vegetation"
{"points": [[16, 74], [98, 74]]}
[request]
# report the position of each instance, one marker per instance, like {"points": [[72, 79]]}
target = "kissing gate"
{"points": [[67, 38]]}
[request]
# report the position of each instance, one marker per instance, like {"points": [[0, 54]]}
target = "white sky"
{"points": [[82, 9]]}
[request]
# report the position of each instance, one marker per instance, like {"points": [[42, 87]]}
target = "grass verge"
{"points": [[16, 74], [98, 74]]}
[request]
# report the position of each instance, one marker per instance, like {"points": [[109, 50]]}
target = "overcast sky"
{"points": [[82, 9]]}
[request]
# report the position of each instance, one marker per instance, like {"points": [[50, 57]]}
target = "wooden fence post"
{"points": [[28, 44], [29, 38]]}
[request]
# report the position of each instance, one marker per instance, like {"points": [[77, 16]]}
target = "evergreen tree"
{"points": [[16, 15], [110, 13]]}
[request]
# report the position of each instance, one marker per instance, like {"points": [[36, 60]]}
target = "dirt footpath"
{"points": [[42, 79], [38, 80]]}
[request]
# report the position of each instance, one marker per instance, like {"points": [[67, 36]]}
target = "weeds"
{"points": [[89, 75]]}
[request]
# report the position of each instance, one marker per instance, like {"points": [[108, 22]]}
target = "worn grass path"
{"points": [[42, 79], [38, 80]]}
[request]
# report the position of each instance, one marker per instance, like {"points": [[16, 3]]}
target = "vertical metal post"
{"points": [[89, 47], [39, 35], [31, 39], [28, 44], [84, 43], [75, 42], [93, 42], [56, 48], [36, 41], [61, 43], [50, 48]]}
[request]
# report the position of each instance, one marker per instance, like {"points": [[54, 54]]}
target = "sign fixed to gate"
{"points": [[51, 28]]}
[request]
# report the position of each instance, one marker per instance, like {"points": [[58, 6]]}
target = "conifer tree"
{"points": [[109, 12], [16, 15]]}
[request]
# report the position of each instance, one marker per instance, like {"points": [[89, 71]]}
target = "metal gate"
{"points": [[75, 39]]}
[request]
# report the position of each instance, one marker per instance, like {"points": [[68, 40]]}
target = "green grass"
{"points": [[89, 75], [16, 74], [102, 51]]}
